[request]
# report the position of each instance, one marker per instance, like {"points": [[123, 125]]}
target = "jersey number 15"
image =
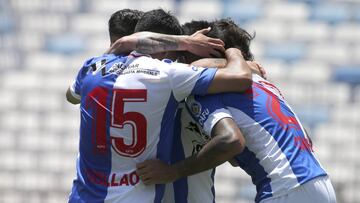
{"points": [[97, 102]]}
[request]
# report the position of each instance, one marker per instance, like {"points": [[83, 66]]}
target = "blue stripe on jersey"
{"points": [[93, 168], [180, 186], [253, 106], [204, 81], [250, 164], [164, 146]]}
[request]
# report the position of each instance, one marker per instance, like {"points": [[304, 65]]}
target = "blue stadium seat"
{"points": [[331, 13], [242, 11], [357, 14], [69, 44], [311, 2], [349, 74], [6, 24], [285, 51]]}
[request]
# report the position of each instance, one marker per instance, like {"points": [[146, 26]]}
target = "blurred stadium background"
{"points": [[310, 48]]}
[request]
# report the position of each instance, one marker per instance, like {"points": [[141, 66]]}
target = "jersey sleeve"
{"points": [[186, 80], [207, 110], [76, 85]]}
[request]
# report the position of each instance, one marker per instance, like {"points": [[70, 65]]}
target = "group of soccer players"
{"points": [[155, 122]]}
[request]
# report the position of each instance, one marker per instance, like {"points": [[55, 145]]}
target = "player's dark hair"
{"points": [[226, 30], [159, 21], [195, 25], [234, 36], [123, 22]]}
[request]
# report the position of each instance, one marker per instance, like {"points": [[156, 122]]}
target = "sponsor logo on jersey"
{"points": [[117, 68], [203, 116], [116, 179], [99, 65]]}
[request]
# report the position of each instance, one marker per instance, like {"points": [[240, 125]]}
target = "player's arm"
{"points": [[71, 98], [150, 43], [227, 141], [234, 77], [221, 63]]}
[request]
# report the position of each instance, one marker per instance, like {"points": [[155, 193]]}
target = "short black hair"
{"points": [[159, 21], [228, 31], [123, 22]]}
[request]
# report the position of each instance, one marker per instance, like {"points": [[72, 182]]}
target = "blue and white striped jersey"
{"points": [[278, 155], [188, 140], [128, 106]]}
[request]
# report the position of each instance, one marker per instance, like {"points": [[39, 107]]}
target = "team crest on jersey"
{"points": [[195, 108]]}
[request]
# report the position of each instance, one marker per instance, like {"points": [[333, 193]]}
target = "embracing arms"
{"points": [[227, 142], [150, 43]]}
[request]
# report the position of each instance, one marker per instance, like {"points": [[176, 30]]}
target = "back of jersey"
{"points": [[127, 111], [278, 154]]}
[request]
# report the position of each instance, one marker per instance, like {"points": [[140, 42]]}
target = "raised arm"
{"points": [[227, 142], [234, 77], [150, 43], [71, 98], [255, 66]]}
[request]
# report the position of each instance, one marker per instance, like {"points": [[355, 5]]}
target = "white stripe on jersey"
{"points": [[261, 143]]}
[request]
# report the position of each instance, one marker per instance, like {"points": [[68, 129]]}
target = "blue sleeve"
{"points": [[207, 110], [77, 85], [204, 81]]}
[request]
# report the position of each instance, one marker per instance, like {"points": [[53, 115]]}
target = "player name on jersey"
{"points": [[116, 179]]}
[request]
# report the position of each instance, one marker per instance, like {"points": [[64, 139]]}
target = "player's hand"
{"points": [[155, 172], [257, 68], [204, 46]]}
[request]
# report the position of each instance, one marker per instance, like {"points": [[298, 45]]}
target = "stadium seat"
{"points": [[30, 181], [7, 183], [333, 53], [6, 23], [30, 42], [43, 23], [276, 70], [267, 30], [66, 44], [65, 6], [357, 94], [107, 7], [309, 31], [312, 115], [145, 5], [331, 13], [31, 80], [189, 10], [285, 51], [310, 71], [9, 60], [89, 24], [9, 141], [310, 2], [28, 120], [286, 11], [44, 62], [357, 13], [242, 11], [348, 32], [349, 74], [347, 114]]}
